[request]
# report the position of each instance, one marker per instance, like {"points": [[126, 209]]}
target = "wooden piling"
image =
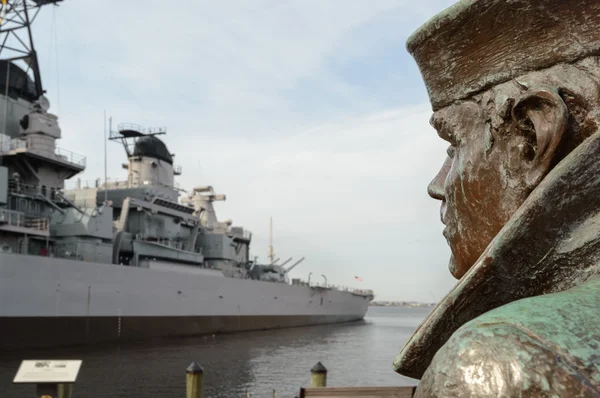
{"points": [[194, 377], [65, 390], [318, 376]]}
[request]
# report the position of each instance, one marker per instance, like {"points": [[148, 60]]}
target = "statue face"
{"points": [[481, 183]]}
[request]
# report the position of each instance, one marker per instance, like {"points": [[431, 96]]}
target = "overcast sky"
{"points": [[311, 112]]}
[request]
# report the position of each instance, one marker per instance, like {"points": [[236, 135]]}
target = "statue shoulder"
{"points": [[492, 356], [480, 361]]}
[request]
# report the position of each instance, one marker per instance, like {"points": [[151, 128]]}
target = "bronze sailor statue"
{"points": [[515, 90]]}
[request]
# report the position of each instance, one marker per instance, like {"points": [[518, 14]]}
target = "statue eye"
{"points": [[451, 151]]}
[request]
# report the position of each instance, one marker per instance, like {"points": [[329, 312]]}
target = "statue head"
{"points": [[515, 87], [515, 90]]}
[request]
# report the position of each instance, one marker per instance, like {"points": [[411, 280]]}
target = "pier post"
{"points": [[54, 390], [44, 390], [65, 390], [318, 375], [194, 377]]}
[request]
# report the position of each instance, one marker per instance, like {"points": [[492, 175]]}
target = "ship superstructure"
{"points": [[33, 169], [153, 228], [116, 260]]}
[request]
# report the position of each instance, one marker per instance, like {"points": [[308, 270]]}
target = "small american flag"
{"points": [[358, 278]]}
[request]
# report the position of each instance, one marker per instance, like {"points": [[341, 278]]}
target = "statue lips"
{"points": [[446, 232]]}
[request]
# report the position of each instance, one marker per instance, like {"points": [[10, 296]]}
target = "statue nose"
{"points": [[436, 190]]}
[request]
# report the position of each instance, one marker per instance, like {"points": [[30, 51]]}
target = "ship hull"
{"points": [[49, 302], [71, 331]]}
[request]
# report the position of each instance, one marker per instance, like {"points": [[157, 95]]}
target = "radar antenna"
{"points": [[129, 133], [16, 40]]}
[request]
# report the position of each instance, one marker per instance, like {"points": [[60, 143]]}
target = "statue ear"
{"points": [[542, 118]]}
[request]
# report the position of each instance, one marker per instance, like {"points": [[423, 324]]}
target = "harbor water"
{"points": [[355, 354]]}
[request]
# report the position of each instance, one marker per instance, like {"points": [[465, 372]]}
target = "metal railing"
{"points": [[20, 219], [240, 232], [23, 189], [178, 244], [141, 129], [362, 292], [97, 183], [71, 157], [13, 144], [61, 154], [110, 184]]}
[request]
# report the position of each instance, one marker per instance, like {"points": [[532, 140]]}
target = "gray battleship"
{"points": [[123, 260]]}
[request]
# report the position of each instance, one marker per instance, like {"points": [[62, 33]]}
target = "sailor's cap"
{"points": [[477, 44]]}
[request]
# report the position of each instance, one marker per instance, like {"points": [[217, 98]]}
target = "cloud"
{"points": [[355, 190], [310, 112], [239, 70]]}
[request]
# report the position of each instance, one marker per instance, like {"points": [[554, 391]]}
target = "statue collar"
{"points": [[551, 244]]}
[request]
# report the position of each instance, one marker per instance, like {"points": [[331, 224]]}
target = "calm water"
{"points": [[355, 354]]}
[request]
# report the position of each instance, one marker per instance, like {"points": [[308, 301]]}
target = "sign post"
{"points": [[53, 378]]}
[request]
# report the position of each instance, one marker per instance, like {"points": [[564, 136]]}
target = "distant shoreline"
{"points": [[405, 304]]}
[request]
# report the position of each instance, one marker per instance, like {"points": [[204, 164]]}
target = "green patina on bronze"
{"points": [[540, 346], [567, 322], [515, 86]]}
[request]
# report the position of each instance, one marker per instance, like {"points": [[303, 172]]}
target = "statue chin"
{"points": [[453, 266]]}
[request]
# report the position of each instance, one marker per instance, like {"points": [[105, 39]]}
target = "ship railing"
{"points": [[110, 184], [13, 144], [169, 242], [20, 219], [141, 129], [97, 183], [240, 232], [20, 188], [64, 155], [71, 157], [131, 126], [362, 292], [114, 184]]}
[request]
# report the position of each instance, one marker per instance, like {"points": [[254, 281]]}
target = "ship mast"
{"points": [[271, 252], [16, 40]]}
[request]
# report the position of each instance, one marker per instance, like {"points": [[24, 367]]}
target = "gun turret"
{"points": [[291, 267], [285, 262], [207, 188]]}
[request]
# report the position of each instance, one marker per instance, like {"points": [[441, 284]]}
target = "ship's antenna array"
{"points": [[3, 11], [271, 252], [105, 163], [129, 133], [16, 40]]}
